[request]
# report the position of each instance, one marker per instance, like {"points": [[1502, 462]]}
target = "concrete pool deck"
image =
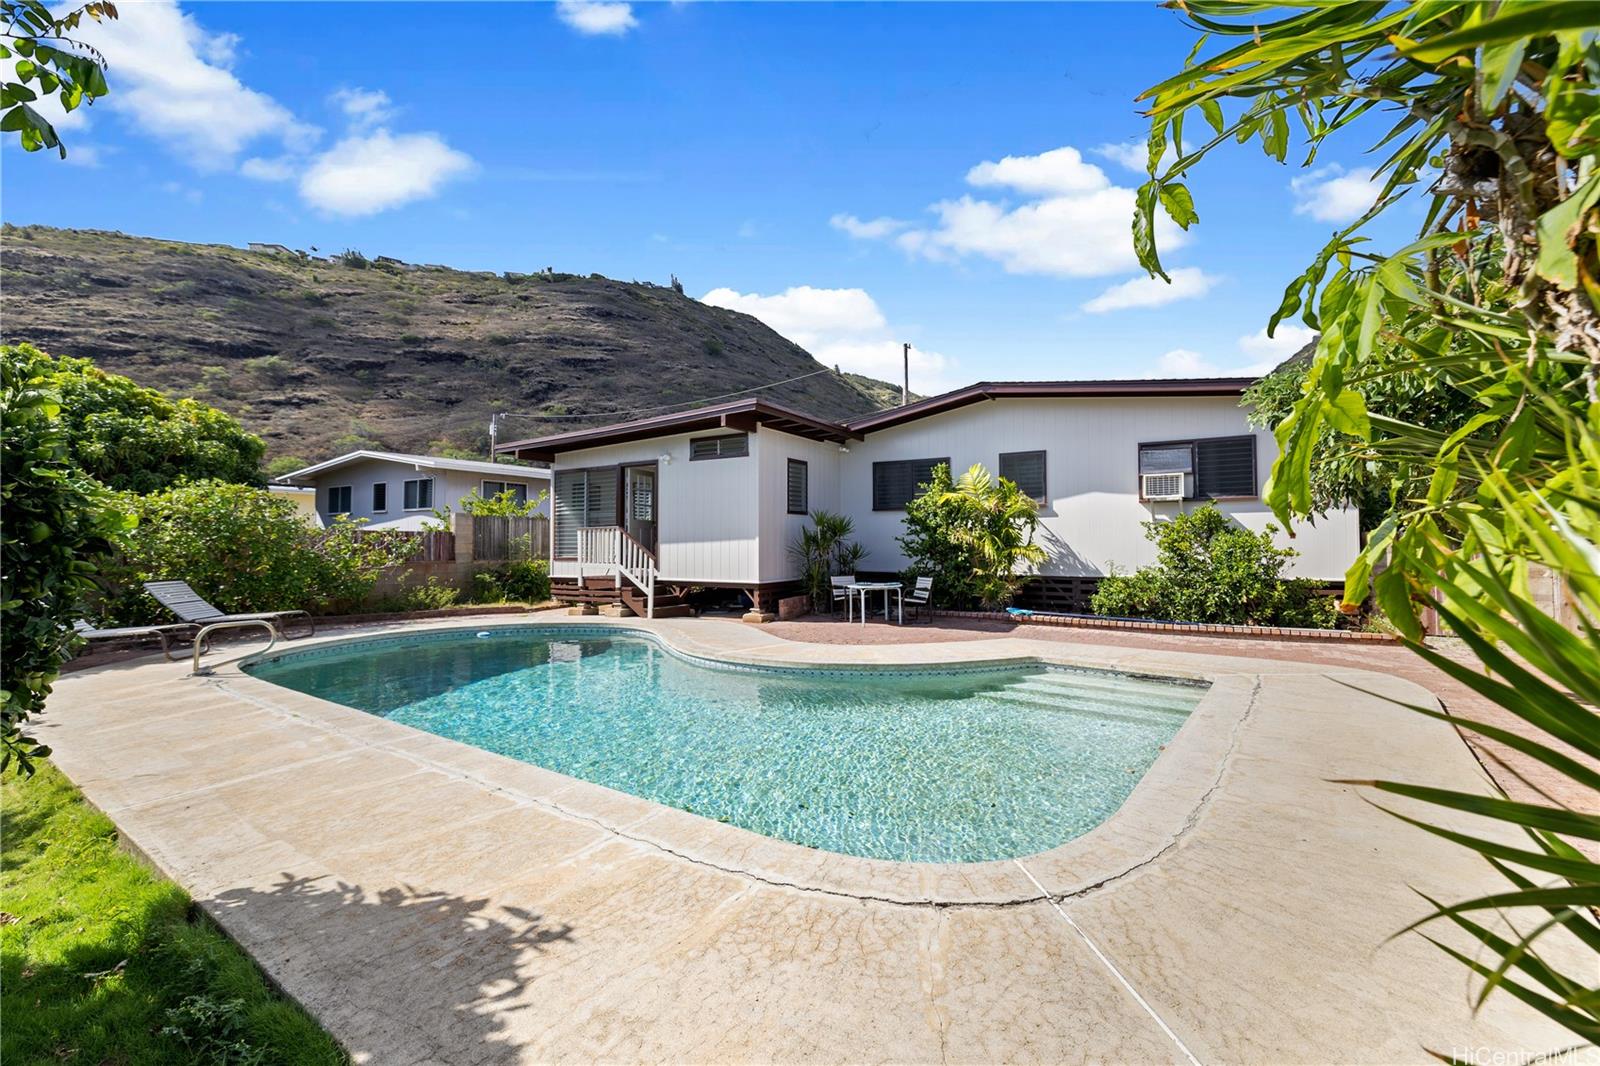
{"points": [[431, 902]]}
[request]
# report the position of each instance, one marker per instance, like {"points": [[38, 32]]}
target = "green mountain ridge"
{"points": [[321, 356]]}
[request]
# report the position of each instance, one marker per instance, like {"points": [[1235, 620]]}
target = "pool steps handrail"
{"points": [[241, 623]]}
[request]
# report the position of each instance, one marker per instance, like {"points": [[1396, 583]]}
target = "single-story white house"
{"points": [[393, 490], [716, 496]]}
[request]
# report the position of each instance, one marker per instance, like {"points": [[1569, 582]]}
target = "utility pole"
{"points": [[494, 420], [905, 380]]}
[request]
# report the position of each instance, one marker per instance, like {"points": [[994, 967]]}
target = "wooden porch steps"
{"points": [[603, 590]]}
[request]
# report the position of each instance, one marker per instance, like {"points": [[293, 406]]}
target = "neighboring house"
{"points": [[718, 495], [392, 490], [304, 500]]}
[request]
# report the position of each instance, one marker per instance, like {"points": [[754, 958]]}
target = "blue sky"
{"points": [[854, 174]]}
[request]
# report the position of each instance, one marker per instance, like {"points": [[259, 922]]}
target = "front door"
{"points": [[639, 504]]}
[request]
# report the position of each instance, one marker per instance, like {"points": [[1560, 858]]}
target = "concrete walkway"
{"points": [[430, 902]]}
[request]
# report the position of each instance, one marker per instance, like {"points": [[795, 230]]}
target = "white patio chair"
{"points": [[839, 590], [921, 598]]}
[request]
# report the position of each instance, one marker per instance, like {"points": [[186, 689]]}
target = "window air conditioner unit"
{"points": [[1156, 487]]}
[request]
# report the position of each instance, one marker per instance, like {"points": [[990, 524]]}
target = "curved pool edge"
{"points": [[1162, 807]]}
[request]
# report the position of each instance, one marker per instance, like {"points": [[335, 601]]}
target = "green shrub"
{"points": [[1209, 570], [56, 523], [503, 505], [433, 595], [486, 587], [285, 464], [132, 438], [971, 536], [244, 550], [526, 582]]}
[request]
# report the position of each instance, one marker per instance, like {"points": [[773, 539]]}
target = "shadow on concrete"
{"points": [[397, 974]]}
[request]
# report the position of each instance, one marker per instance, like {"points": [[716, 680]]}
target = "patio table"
{"points": [[862, 588]]}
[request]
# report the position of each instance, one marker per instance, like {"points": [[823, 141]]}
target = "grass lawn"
{"points": [[104, 962]]}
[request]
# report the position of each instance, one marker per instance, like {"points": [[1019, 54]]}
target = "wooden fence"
{"points": [[510, 539], [432, 546]]}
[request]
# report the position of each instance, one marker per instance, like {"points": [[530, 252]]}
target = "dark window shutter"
{"points": [[799, 487], [1225, 466], [896, 483], [1027, 470], [726, 447]]}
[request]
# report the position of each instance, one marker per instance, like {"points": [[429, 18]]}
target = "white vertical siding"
{"points": [[779, 529], [1092, 516], [707, 512]]}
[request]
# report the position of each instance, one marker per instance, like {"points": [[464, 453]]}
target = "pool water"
{"points": [[925, 766]]}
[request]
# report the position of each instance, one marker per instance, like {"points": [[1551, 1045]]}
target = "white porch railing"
{"points": [[610, 550]]}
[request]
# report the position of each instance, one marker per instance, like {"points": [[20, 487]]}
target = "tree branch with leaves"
{"points": [[47, 61], [1489, 113]]}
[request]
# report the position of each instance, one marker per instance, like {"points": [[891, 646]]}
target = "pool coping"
{"points": [[1164, 805]]}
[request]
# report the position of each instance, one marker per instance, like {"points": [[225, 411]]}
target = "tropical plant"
{"points": [[972, 536], [244, 549], [1344, 471], [55, 522], [503, 504], [823, 551], [931, 546], [132, 438], [1492, 118], [46, 61], [1210, 570]]}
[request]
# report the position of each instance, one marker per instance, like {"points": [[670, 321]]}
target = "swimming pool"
{"points": [[923, 765]]}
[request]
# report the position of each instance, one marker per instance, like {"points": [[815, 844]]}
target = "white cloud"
{"points": [[172, 78], [363, 108], [83, 155], [867, 230], [1334, 194], [1184, 363], [367, 173], [1072, 222], [1134, 155], [1187, 363], [1260, 354], [596, 17], [840, 327], [1273, 350], [189, 193], [281, 168], [805, 311], [1060, 171], [1187, 283]]}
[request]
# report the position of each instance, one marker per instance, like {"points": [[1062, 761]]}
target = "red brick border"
{"points": [[1083, 621]]}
